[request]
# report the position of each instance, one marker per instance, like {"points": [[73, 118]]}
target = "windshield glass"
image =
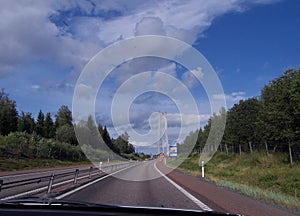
{"points": [[168, 104]]}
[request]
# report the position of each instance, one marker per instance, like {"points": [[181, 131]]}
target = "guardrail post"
{"points": [[1, 183], [76, 175], [50, 183], [90, 172]]}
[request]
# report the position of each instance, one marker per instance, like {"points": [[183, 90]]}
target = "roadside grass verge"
{"points": [[262, 194], [269, 178], [11, 164]]}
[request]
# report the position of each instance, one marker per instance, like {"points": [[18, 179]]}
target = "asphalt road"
{"points": [[155, 185], [140, 185], [24, 190], [23, 176]]}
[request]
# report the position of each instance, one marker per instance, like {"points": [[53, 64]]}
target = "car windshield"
{"points": [[189, 105]]}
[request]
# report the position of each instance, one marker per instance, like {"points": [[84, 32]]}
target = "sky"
{"points": [[45, 46]]}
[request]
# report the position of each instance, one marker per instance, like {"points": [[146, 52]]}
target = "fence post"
{"points": [[202, 163], [50, 183], [76, 175], [100, 167], [1, 183]]}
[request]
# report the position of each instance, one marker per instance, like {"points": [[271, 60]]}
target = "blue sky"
{"points": [[46, 44], [254, 47]]}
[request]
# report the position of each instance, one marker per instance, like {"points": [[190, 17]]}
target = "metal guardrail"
{"points": [[61, 178], [48, 178]]}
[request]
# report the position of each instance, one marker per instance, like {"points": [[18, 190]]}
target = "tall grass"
{"points": [[262, 194], [270, 178]]}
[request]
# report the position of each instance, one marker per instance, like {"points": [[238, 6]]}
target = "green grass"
{"points": [[10, 164], [271, 178]]}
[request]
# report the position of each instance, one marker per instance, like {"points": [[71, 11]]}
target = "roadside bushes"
{"points": [[24, 145]]}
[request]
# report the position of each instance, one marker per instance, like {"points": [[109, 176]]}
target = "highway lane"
{"points": [[19, 177], [26, 190], [143, 184], [147, 187]]}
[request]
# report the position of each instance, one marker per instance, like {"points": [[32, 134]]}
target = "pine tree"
{"points": [[26, 123], [107, 140], [8, 114], [40, 130], [49, 126], [63, 117]]}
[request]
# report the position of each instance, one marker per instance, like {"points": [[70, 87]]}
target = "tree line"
{"points": [[97, 142], [269, 122], [23, 136]]}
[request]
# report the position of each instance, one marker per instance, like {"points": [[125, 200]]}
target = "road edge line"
{"points": [[90, 183], [186, 193]]}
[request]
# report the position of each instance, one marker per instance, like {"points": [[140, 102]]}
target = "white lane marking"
{"points": [[90, 183], [190, 196], [40, 189], [25, 193], [45, 187], [54, 185]]}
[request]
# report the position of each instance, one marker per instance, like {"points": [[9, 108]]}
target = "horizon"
{"points": [[247, 44]]}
